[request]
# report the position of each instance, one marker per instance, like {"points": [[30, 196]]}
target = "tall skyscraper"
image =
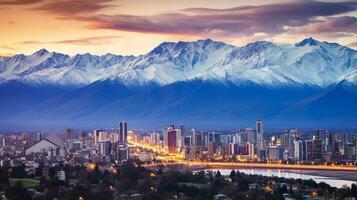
{"points": [[105, 147], [69, 134], [299, 150], [251, 137], [96, 135], [260, 135], [179, 139], [154, 139], [241, 137], [171, 140], [192, 134], [182, 128], [251, 151], [123, 132]]}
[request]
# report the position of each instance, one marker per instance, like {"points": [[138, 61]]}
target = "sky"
{"points": [[133, 27]]}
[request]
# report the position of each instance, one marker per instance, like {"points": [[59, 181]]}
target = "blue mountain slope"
{"points": [[207, 104], [202, 103], [79, 102], [335, 106], [17, 96]]}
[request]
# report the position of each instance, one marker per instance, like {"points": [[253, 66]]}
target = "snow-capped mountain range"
{"points": [[309, 62], [205, 84]]}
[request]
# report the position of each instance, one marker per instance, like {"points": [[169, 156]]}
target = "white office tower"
{"points": [[105, 148], [179, 139], [165, 132], [123, 132], [103, 136], [192, 134], [182, 128], [96, 136], [154, 139], [260, 135], [251, 137], [114, 137], [251, 151], [298, 150], [241, 138]]}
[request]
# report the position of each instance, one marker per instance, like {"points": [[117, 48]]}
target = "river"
{"points": [[334, 179]]}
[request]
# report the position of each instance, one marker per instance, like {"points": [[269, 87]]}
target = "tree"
{"points": [[354, 190], [17, 192], [218, 174], [4, 176], [38, 171], [233, 175], [18, 172], [242, 184]]}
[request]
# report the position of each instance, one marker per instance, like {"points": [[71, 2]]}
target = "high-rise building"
{"points": [[316, 149], [192, 134], [260, 135], [250, 134], [241, 137], [171, 140], [214, 137], [105, 147], [321, 134], [96, 135], [122, 152], [69, 134], [123, 132], [200, 139], [212, 147], [179, 139], [275, 153], [299, 150], [182, 129], [187, 141], [251, 149], [154, 139], [103, 136]]}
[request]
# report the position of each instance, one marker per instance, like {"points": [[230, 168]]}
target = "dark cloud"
{"points": [[67, 8], [246, 20], [11, 22], [18, 2], [88, 40], [77, 41], [344, 24]]}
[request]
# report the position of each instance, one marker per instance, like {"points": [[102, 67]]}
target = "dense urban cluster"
{"points": [[126, 164], [293, 146]]}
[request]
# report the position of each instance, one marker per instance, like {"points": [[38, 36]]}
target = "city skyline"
{"points": [[154, 100]]}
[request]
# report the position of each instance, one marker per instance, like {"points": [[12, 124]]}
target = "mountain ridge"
{"points": [[307, 62], [205, 84]]}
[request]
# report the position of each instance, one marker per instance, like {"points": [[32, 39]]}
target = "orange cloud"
{"points": [[243, 21], [68, 8], [18, 2], [77, 41]]}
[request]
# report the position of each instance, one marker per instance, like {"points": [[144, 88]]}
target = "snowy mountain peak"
{"points": [[307, 42], [41, 52], [260, 62]]}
